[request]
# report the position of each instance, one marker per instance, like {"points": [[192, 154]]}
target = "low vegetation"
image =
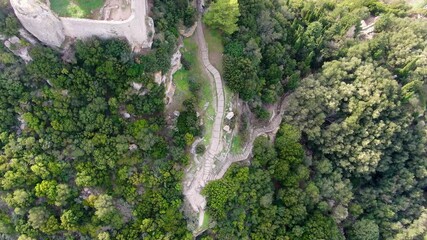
{"points": [[75, 8]]}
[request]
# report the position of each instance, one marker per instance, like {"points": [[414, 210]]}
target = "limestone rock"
{"points": [[227, 129], [136, 86], [229, 115], [126, 115], [25, 34], [158, 78], [168, 79], [175, 63], [188, 32], [133, 147], [14, 45], [40, 21]]}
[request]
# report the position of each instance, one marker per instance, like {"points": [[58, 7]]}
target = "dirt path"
{"points": [[203, 166]]}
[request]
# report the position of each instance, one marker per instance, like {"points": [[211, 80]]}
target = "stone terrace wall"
{"points": [[50, 29], [138, 29]]}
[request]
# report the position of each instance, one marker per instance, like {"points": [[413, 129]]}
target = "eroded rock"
{"points": [[229, 115], [188, 32], [16, 47], [40, 21]]}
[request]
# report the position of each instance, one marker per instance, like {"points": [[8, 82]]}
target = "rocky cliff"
{"points": [[38, 19]]}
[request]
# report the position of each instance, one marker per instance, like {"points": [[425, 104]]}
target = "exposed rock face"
{"points": [[25, 34], [14, 45], [175, 66], [229, 115], [188, 32], [39, 20]]}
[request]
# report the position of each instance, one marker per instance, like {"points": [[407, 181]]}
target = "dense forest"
{"points": [[75, 166], [86, 151], [279, 42], [349, 161], [273, 198]]}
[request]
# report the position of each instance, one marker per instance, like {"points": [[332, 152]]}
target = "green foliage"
{"points": [[74, 165], [187, 125], [77, 8], [167, 14], [273, 194], [223, 14], [361, 116], [106, 212], [6, 225], [321, 227], [9, 24], [200, 148], [286, 40], [38, 217], [364, 229], [241, 77]]}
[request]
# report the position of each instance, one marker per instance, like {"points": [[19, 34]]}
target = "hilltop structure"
{"points": [[53, 30]]}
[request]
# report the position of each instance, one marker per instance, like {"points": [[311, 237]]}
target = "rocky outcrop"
{"points": [[15, 45], [168, 78], [40, 21], [46, 26], [188, 32]]}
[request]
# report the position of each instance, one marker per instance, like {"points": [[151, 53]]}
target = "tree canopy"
{"points": [[223, 14]]}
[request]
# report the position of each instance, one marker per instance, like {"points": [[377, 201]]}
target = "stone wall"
{"points": [[50, 29], [138, 29]]}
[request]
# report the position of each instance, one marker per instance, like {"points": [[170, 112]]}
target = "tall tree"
{"points": [[223, 14]]}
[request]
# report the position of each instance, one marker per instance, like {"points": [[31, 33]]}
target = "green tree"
{"points": [[364, 229], [37, 217], [223, 14], [106, 211], [69, 220]]}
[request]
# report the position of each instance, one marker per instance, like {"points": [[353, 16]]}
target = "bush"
{"points": [[185, 63], [261, 113], [189, 16], [9, 26], [200, 148]]}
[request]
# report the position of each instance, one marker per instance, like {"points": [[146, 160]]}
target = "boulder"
{"points": [[40, 21], [15, 46], [188, 32], [227, 129], [136, 86], [229, 115]]}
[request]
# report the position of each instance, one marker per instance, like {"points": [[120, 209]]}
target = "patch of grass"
{"points": [[75, 8], [89, 5], [60, 7], [196, 72], [182, 91], [190, 51], [215, 46], [181, 81], [75, 11], [206, 221], [236, 144]]}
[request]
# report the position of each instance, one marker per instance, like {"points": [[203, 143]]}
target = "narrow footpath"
{"points": [[204, 165]]}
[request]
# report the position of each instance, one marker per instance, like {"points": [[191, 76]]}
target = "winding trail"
{"points": [[214, 163], [204, 169]]}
